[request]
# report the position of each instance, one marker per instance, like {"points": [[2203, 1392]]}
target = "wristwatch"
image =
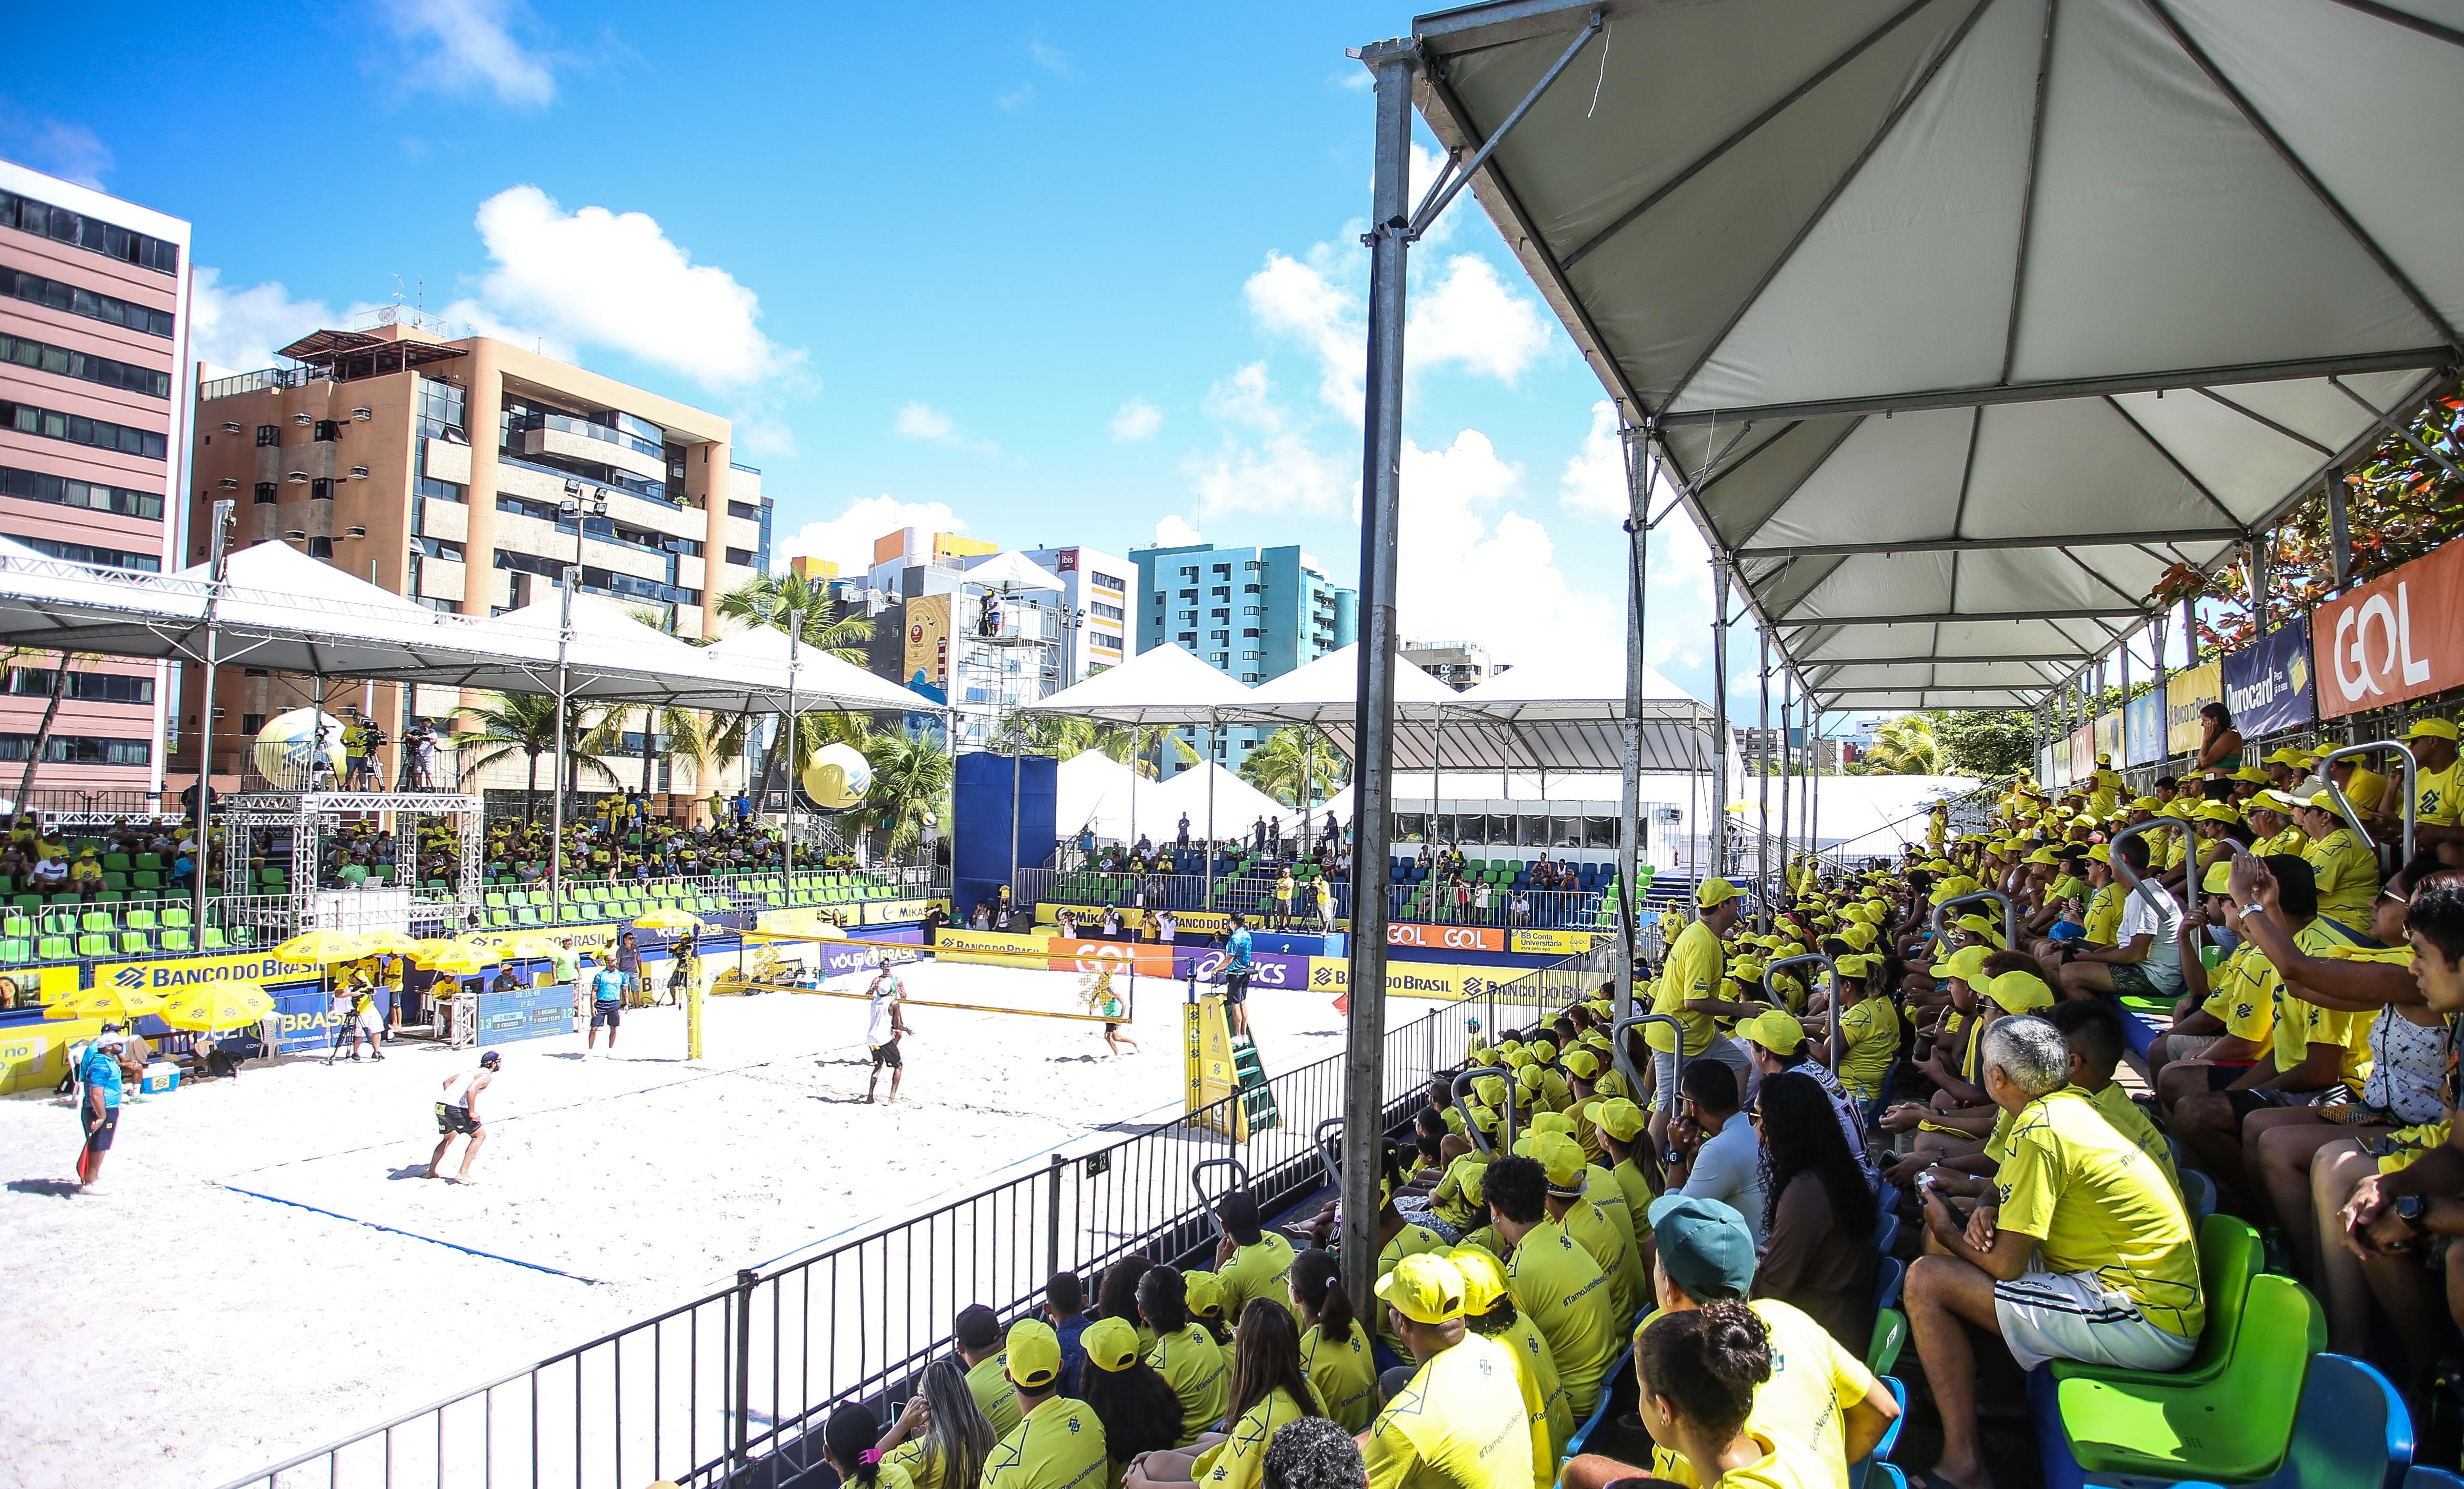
{"points": [[2253, 908], [2414, 1210]]}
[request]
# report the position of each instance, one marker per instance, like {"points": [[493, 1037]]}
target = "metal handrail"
{"points": [[2353, 818], [1472, 1128], [1330, 1153], [1241, 1178], [2010, 915], [1828, 966], [2132, 883], [1625, 1062]]}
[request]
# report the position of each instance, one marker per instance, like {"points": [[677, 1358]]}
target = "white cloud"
{"points": [[1052, 60], [1471, 568], [72, 152], [922, 421], [468, 46], [1469, 319], [1594, 482], [238, 330], [1174, 531], [1677, 613], [1302, 300], [1013, 100], [1352, 79], [1137, 421], [596, 277], [1282, 472], [847, 539]]}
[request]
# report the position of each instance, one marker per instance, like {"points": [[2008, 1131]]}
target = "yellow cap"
{"points": [[2322, 802], [1531, 1075], [2275, 801], [2100, 853], [2251, 773], [1490, 1088], [1426, 1289], [1775, 1029], [2218, 878], [1205, 1294], [1034, 1354], [1544, 1050], [1966, 964], [1112, 1344], [1484, 1278], [2431, 729], [1582, 1064], [1552, 1121], [1855, 965], [1973, 921], [2216, 812], [1485, 1118], [2043, 855], [1860, 937], [2020, 992], [1620, 1119], [2286, 755], [1562, 1156], [1715, 891], [2144, 803], [2104, 757]]}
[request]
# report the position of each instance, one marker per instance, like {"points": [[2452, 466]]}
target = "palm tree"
{"points": [[794, 603], [1905, 746], [524, 723], [910, 781], [1292, 758], [686, 736], [62, 668], [1142, 746]]}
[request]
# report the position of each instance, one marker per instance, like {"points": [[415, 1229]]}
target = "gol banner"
{"points": [[1446, 937], [2395, 638]]}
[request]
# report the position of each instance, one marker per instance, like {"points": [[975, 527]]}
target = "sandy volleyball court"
{"points": [[268, 1270]]}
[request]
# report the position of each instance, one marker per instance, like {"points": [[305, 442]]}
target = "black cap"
{"points": [[492, 1059], [977, 1328], [1239, 1212]]}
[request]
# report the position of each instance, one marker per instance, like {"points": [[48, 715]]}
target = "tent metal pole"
{"points": [[1392, 65], [1762, 788], [219, 539], [1638, 540], [1719, 803], [1787, 713], [795, 639], [556, 828]]}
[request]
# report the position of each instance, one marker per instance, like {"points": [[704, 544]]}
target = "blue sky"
{"points": [[1042, 276]]}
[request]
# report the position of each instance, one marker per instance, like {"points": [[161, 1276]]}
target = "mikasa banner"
{"points": [[2399, 636]]}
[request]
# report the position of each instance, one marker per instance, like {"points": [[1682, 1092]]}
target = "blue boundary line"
{"points": [[374, 1225]]}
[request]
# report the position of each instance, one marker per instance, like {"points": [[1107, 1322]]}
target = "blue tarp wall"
{"points": [[987, 840]]}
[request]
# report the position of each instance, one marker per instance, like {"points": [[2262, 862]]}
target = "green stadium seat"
{"points": [[53, 948], [135, 944], [2230, 1256], [215, 941], [501, 917], [149, 878], [111, 897], [527, 915], [149, 860], [14, 925], [28, 902], [175, 938], [1890, 1335], [175, 915], [112, 879], [138, 919], [94, 944], [240, 936], [15, 952], [116, 861], [96, 920], [2230, 1425]]}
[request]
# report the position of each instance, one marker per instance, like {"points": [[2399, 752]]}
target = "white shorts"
{"points": [[1721, 1048], [2073, 1316]]}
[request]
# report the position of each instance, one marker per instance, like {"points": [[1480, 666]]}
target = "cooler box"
{"points": [[159, 1076]]}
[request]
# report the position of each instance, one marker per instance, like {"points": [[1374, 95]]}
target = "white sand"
{"points": [[177, 1331]]}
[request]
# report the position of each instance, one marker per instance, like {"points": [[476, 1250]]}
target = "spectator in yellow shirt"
{"points": [[1460, 1424], [1688, 992]]}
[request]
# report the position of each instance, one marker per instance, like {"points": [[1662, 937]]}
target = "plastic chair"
{"points": [[1859, 1471], [1886, 1231], [1887, 1279], [2198, 1192], [2230, 1256], [2353, 1433], [1890, 1336], [2234, 1427]]}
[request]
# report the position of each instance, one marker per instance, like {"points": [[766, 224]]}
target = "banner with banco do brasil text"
{"points": [[1444, 980]]}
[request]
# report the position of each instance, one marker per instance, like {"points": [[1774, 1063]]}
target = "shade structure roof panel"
{"points": [[1955, 310], [1168, 685], [816, 680]]}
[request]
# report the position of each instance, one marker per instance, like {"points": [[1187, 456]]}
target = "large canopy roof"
{"points": [[1168, 685], [1961, 320]]}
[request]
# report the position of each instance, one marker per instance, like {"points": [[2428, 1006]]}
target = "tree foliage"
{"points": [[1988, 743], [1291, 758]]}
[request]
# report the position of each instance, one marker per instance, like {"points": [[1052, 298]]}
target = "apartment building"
{"points": [[1095, 588], [1253, 613], [1458, 665], [469, 473], [94, 325]]}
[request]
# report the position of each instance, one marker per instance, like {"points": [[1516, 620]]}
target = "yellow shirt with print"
{"points": [[1638, 1195], [1261, 1271], [1410, 1241], [2347, 875], [1344, 1374], [2131, 1122], [1544, 1396], [1869, 1034], [2240, 998], [1059, 1446], [1611, 1242], [1785, 1464], [1456, 1200], [1193, 1363], [2438, 796], [989, 1384], [1459, 1424], [2292, 841], [2100, 922], [916, 1461], [1812, 1383], [1695, 965], [1239, 1461], [1554, 1280], [2097, 1204]]}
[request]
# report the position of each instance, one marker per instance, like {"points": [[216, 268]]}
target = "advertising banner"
{"points": [[926, 653], [2268, 682], [1555, 943], [2108, 736], [525, 1014], [894, 912], [1448, 980], [173, 973], [2045, 765], [2185, 693], [999, 948], [310, 1019], [2082, 752], [2144, 725], [585, 938], [1266, 969], [1206, 1036], [839, 959], [2399, 636], [2060, 774], [1447, 938], [1148, 959]]}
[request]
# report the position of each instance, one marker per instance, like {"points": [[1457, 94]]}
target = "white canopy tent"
{"points": [[1565, 713], [1012, 572], [1168, 685], [1220, 804], [1091, 790]]}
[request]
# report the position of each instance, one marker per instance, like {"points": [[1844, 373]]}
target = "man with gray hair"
{"points": [[2084, 1252]]}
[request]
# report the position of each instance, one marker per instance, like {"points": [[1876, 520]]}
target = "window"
{"points": [[1251, 656], [265, 493], [100, 558], [1223, 593], [70, 750], [251, 724], [321, 548], [70, 300], [1106, 611], [1221, 614], [1253, 609], [327, 431], [1107, 582], [268, 435], [1187, 639], [1160, 596], [1248, 589], [1223, 571], [438, 549], [1217, 658], [744, 509], [78, 429], [84, 688], [322, 489], [439, 407], [1189, 573], [60, 491], [1185, 617], [741, 558], [1189, 594], [1249, 632], [91, 234], [1218, 637], [434, 490], [62, 362]]}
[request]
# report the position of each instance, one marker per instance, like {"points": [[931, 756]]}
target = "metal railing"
{"points": [[747, 1372]]}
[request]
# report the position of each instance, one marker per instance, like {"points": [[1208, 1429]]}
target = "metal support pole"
{"points": [[1787, 713], [2122, 653], [795, 641], [2156, 649], [1629, 782], [219, 544], [1762, 774], [556, 828], [2339, 532], [1364, 1103], [1719, 803], [2254, 566]]}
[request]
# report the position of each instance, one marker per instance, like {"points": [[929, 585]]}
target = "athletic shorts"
{"points": [[2221, 1075], [1236, 987], [2071, 1316], [2131, 980], [886, 1054], [606, 1014], [2261, 1098], [451, 1120], [1112, 1029], [101, 1130]]}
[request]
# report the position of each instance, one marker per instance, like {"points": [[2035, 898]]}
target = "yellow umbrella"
{"points": [[457, 959], [394, 940], [420, 951], [309, 947], [213, 1006], [111, 1005], [669, 919], [534, 944]]}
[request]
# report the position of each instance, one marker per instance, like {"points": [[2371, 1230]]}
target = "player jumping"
{"points": [[889, 1022]]}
